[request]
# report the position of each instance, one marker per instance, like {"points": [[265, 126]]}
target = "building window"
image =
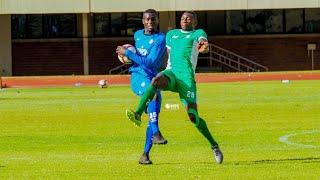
{"points": [[102, 24], [202, 20], [134, 22], [34, 26], [216, 22], [294, 20], [312, 20], [255, 22], [60, 26], [118, 24], [273, 21], [43, 26], [68, 24], [52, 27], [235, 22], [18, 26], [264, 21]]}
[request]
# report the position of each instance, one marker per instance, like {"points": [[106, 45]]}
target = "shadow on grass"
{"points": [[265, 161], [270, 161]]}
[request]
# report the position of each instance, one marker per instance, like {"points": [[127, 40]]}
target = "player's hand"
{"points": [[203, 46], [121, 50]]}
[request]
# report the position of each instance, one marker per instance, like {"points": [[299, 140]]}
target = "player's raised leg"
{"points": [[139, 84], [164, 81], [135, 116]]}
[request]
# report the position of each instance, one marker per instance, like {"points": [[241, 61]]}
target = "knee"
{"points": [[159, 81], [192, 118], [155, 82], [157, 96]]}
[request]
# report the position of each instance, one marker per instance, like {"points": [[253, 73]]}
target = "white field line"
{"points": [[285, 139]]}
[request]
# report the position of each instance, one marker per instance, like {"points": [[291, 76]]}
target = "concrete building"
{"points": [[45, 37]]}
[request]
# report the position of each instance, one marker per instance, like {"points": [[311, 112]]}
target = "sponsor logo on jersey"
{"points": [[142, 51], [151, 41]]}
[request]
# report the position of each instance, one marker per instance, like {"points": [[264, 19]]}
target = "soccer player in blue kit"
{"points": [[151, 46]]}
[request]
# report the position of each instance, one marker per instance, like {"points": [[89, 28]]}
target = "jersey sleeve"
{"points": [[154, 55], [168, 39], [135, 35], [201, 34]]}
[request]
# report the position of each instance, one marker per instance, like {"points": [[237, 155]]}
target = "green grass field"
{"points": [[266, 130]]}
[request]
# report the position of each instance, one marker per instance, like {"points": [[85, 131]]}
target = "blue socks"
{"points": [[148, 143], [153, 113]]}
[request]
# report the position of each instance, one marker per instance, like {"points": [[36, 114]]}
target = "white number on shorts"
{"points": [[190, 94]]}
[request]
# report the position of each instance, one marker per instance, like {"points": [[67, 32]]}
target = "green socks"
{"points": [[202, 127], [147, 96]]}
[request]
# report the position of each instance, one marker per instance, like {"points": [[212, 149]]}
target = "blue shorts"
{"points": [[140, 83]]}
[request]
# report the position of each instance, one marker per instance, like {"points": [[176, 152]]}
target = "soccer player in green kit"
{"points": [[183, 47]]}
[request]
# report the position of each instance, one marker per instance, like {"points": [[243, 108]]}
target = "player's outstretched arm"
{"points": [[203, 46], [154, 55]]}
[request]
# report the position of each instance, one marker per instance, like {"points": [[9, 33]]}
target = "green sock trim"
{"points": [[147, 96]]}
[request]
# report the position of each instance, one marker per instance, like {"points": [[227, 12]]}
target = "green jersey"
{"points": [[183, 49]]}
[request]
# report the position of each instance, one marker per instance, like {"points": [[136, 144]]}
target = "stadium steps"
{"points": [[232, 60]]}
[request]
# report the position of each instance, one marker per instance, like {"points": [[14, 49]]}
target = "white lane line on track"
{"points": [[285, 138]]}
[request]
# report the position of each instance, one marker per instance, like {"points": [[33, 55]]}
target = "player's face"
{"points": [[188, 22], [150, 22]]}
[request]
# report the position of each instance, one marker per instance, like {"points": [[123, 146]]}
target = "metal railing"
{"points": [[217, 54], [233, 60], [122, 69]]}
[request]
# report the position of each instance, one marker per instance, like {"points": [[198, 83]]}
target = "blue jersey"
{"points": [[149, 56]]}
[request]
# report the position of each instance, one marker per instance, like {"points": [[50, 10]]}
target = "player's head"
{"points": [[150, 21], [188, 21]]}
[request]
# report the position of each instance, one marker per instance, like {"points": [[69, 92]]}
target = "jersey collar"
{"points": [[183, 31]]}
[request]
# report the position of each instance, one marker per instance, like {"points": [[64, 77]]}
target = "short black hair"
{"points": [[151, 11]]}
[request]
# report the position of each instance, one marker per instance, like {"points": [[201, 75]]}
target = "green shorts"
{"points": [[182, 83]]}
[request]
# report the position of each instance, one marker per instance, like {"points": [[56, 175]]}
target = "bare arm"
{"points": [[203, 46]]}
